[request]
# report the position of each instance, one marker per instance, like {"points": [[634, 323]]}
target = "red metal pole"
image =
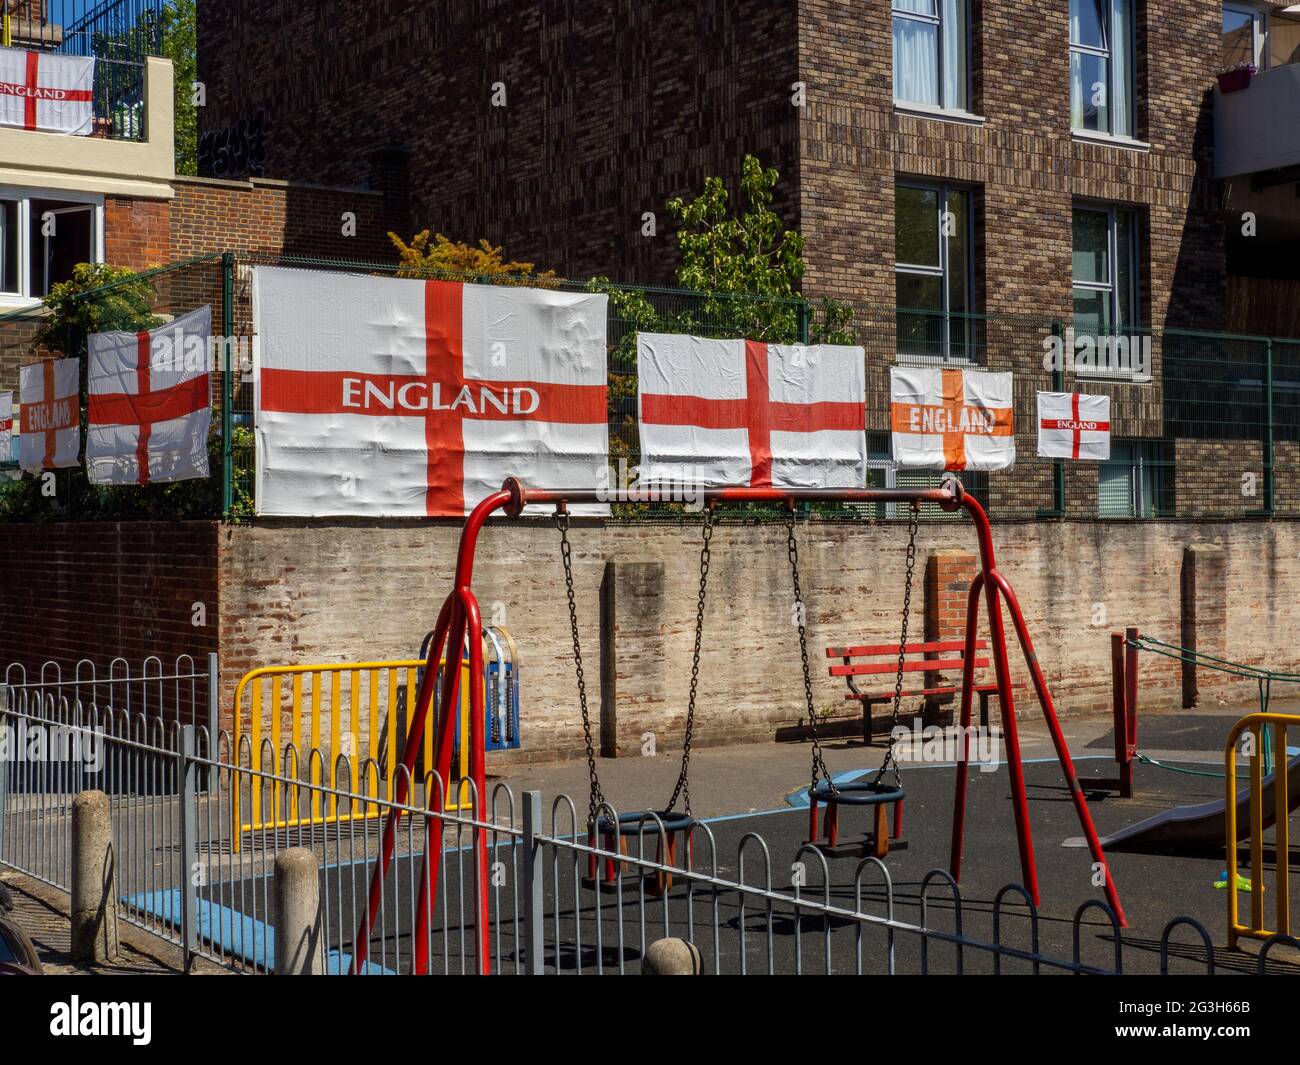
{"points": [[1062, 749], [414, 737], [478, 771], [967, 696]]}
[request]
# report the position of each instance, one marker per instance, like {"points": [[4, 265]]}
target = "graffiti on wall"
{"points": [[235, 151]]}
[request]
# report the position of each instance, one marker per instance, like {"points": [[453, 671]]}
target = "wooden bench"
{"points": [[950, 657]]}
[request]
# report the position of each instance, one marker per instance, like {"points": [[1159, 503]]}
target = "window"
{"points": [[1105, 270], [43, 237], [1101, 66], [1283, 41], [1242, 40], [931, 44], [882, 473], [1137, 481], [932, 272]]}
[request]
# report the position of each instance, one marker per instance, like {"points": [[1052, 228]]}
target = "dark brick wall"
{"points": [[107, 589], [611, 109]]}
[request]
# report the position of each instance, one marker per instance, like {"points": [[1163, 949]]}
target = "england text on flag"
{"points": [[741, 412], [951, 419], [389, 396], [148, 403], [47, 91], [49, 421], [1072, 425]]}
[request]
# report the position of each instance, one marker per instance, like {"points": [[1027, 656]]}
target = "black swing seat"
{"points": [[856, 793], [638, 821]]}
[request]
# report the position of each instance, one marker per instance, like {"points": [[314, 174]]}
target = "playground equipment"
{"points": [[1267, 801], [341, 724], [875, 792], [460, 621]]}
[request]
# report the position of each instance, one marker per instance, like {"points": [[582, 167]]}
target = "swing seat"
{"points": [[857, 793], [874, 793], [633, 824]]}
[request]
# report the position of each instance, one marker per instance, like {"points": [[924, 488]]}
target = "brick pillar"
{"points": [[1204, 610], [948, 575], [632, 654]]}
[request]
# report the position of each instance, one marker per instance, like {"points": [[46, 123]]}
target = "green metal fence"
{"points": [[1204, 426]]}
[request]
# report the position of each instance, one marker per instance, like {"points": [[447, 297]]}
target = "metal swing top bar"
{"points": [[460, 621]]}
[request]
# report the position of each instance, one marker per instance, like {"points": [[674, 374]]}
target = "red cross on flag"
{"points": [[148, 403], [47, 91], [945, 419], [389, 396], [6, 426], [1072, 425], [49, 421], [741, 412]]}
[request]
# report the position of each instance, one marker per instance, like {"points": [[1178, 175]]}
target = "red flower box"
{"points": [[1235, 80]]}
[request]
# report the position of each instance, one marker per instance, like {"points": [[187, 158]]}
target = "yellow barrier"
{"points": [[1279, 816], [354, 706]]}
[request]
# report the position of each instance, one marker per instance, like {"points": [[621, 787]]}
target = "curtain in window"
{"points": [[1115, 489], [1121, 67], [916, 62], [954, 54]]}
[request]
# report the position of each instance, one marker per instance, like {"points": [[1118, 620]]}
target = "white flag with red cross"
{"points": [[389, 396], [47, 91], [49, 420], [944, 419], [6, 426], [1072, 425], [148, 403], [742, 412]]}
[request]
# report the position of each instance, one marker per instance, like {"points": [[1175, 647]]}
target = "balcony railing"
{"points": [[119, 34]]}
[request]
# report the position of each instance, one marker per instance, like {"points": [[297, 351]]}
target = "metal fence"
{"points": [[180, 877], [119, 34], [1204, 426]]}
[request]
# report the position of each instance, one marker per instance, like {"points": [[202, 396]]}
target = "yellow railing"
{"points": [[1260, 818], [316, 714]]}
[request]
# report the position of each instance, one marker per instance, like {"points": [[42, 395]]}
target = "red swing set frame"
{"points": [[460, 624]]}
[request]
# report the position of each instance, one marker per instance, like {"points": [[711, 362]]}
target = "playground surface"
{"points": [[756, 789]]}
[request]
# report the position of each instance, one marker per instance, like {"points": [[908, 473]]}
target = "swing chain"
{"points": [[683, 785], [890, 761], [566, 556], [792, 549]]}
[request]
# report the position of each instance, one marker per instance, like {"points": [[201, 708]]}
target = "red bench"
{"points": [[950, 657]]}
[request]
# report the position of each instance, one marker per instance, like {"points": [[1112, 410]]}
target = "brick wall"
{"points": [[610, 110], [137, 233], [276, 217], [344, 591], [106, 589]]}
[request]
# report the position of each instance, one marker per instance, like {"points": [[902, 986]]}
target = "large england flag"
{"points": [[47, 91], [951, 419], [388, 396], [741, 412], [49, 423], [1072, 425], [148, 403]]}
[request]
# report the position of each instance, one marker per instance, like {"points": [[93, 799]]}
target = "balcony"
{"points": [[120, 34], [1257, 129]]}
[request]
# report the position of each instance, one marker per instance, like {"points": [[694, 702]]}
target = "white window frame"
{"points": [[1107, 53], [945, 106], [1111, 285], [24, 195], [1259, 31], [946, 357]]}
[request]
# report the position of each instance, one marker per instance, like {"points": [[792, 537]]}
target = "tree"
{"points": [[446, 257], [180, 45]]}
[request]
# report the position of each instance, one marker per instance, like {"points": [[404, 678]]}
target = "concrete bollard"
{"points": [[299, 942], [672, 957], [94, 880]]}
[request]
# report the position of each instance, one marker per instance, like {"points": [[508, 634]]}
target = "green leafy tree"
{"points": [[180, 45]]}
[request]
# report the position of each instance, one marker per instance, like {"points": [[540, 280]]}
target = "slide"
{"points": [[1196, 829]]}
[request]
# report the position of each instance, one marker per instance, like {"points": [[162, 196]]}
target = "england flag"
{"points": [[49, 421], [47, 91], [1072, 425], [148, 403], [741, 412], [388, 396], [951, 419]]}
